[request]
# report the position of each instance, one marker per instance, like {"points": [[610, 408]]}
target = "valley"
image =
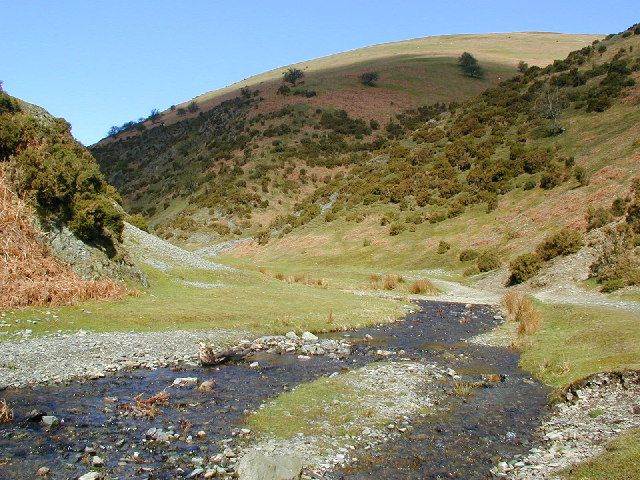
{"points": [[433, 273]]}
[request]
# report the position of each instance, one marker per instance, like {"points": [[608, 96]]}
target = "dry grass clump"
{"points": [[391, 281], [520, 309], [29, 274], [423, 285], [462, 388], [6, 414], [146, 407], [511, 301], [302, 279]]}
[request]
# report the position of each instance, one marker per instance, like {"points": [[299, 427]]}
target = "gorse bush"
{"points": [[59, 177], [598, 217], [369, 78], [443, 247], [563, 242], [488, 261], [524, 267]]}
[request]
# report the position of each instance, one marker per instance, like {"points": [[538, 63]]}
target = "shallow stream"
{"points": [[481, 429]]}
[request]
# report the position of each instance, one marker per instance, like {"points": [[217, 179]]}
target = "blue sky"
{"points": [[100, 63]]}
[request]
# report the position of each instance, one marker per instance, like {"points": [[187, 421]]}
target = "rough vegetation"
{"points": [[29, 273], [255, 164], [56, 175]]}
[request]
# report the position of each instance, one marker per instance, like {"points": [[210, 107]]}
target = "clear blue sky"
{"points": [[101, 63]]}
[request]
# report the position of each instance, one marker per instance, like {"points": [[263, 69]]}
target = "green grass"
{"points": [[332, 407], [312, 408], [248, 301], [575, 342], [619, 461]]}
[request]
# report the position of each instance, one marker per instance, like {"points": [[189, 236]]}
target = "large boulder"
{"points": [[257, 466]]}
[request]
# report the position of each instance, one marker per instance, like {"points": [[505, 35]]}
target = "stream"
{"points": [[476, 432]]}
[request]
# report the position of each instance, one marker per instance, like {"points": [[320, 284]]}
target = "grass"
{"points": [[521, 310], [334, 407], [619, 461], [247, 301], [312, 408], [422, 286], [574, 342], [506, 49]]}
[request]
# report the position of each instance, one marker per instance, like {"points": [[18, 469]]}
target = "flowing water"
{"points": [[478, 430]]}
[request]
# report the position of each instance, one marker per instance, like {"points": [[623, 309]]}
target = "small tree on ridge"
{"points": [[470, 66]]}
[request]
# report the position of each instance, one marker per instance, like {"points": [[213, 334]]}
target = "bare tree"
{"points": [[551, 103]]}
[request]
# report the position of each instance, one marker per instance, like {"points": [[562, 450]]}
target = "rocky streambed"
{"points": [[190, 422]]}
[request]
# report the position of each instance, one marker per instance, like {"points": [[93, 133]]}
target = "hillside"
{"points": [[60, 224], [228, 163], [496, 174]]}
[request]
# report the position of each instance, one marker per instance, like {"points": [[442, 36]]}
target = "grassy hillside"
{"points": [[495, 175], [412, 73], [227, 164]]}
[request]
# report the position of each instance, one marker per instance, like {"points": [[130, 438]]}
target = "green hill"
{"points": [[240, 158]]}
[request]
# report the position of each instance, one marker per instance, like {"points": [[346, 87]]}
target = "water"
{"points": [[491, 424]]}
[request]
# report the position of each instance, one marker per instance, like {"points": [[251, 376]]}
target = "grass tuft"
{"points": [[423, 285], [391, 281], [462, 388], [6, 414], [520, 309]]}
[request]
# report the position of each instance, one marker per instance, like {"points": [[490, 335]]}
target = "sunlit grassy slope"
{"points": [[415, 72]]}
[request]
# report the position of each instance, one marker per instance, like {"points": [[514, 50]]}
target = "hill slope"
{"points": [[494, 176], [240, 158], [412, 72], [60, 224]]}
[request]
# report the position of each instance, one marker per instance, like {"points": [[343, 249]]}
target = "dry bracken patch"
{"points": [[29, 274]]}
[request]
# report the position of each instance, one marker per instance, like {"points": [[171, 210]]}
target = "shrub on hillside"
{"points": [[468, 255], [561, 243], [488, 261], [138, 221], [263, 237], [63, 181], [580, 175], [369, 78], [524, 267], [443, 247], [397, 228], [598, 217]]}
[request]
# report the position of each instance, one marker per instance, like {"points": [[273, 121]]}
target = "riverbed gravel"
{"points": [[80, 355], [595, 412]]}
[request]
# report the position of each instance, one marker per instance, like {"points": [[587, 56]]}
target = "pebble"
{"points": [[43, 471], [90, 476], [185, 382], [50, 421], [94, 354]]}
